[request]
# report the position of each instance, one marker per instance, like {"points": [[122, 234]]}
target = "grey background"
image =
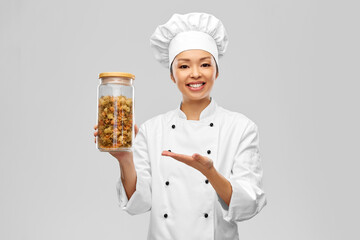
{"points": [[291, 67]]}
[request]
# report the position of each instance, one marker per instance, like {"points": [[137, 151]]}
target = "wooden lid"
{"points": [[117, 74]]}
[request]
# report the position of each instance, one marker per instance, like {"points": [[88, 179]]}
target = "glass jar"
{"points": [[115, 112]]}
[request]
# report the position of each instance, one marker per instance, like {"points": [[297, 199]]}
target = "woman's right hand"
{"points": [[119, 155]]}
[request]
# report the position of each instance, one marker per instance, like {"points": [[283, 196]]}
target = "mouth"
{"points": [[196, 85]]}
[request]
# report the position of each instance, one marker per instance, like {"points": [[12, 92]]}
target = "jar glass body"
{"points": [[115, 114]]}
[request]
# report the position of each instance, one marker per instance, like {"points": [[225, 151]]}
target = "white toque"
{"points": [[189, 31]]}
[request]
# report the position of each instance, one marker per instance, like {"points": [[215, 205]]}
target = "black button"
{"points": [[165, 215], [206, 215], [211, 124], [208, 151], [169, 150], [167, 183], [206, 181], [173, 126]]}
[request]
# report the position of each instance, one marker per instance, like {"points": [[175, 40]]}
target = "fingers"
{"points": [[96, 126]]}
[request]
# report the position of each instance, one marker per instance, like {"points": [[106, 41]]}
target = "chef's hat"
{"points": [[188, 31]]}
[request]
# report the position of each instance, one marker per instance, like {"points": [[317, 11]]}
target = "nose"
{"points": [[195, 73]]}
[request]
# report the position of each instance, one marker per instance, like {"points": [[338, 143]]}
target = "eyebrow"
{"points": [[186, 59]]}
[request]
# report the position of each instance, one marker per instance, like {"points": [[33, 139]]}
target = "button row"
{"points": [[206, 181], [211, 125], [205, 215]]}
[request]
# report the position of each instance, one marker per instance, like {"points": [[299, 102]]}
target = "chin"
{"points": [[197, 98]]}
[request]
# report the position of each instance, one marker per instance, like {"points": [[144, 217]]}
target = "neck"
{"points": [[193, 108]]}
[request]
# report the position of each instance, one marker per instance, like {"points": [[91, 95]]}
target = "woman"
{"points": [[197, 168]]}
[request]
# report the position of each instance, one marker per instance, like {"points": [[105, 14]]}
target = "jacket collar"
{"points": [[207, 112]]}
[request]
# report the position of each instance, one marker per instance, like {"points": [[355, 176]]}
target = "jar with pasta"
{"points": [[115, 112]]}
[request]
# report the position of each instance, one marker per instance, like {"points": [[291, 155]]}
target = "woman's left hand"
{"points": [[197, 161]]}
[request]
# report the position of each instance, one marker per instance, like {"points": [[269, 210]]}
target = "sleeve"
{"points": [[248, 197], [140, 201]]}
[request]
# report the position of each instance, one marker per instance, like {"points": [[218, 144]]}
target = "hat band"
{"points": [[192, 40]]}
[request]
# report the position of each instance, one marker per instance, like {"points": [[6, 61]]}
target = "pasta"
{"points": [[115, 119]]}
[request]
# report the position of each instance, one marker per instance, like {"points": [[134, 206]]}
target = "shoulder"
{"points": [[235, 119], [237, 126]]}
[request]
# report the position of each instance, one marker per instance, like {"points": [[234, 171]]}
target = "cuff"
{"points": [[139, 202], [246, 201], [122, 198]]}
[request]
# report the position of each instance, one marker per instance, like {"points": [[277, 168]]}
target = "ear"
{"points": [[217, 74], [172, 78]]}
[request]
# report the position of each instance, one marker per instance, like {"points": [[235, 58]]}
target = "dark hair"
{"points": [[171, 71]]}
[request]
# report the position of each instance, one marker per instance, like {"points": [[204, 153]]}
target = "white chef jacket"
{"points": [[183, 203]]}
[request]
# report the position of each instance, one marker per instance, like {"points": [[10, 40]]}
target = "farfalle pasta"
{"points": [[115, 119]]}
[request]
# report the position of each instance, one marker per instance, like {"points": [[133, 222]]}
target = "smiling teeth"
{"points": [[196, 85]]}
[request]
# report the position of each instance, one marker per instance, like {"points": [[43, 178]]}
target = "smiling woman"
{"points": [[197, 168]]}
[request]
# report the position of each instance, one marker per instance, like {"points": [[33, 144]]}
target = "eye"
{"points": [[183, 66], [206, 65]]}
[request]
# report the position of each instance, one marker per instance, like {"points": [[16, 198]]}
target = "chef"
{"points": [[197, 168]]}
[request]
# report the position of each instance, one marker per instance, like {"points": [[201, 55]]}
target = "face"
{"points": [[195, 67]]}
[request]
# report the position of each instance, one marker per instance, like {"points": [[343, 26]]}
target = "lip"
{"points": [[196, 89], [197, 82]]}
